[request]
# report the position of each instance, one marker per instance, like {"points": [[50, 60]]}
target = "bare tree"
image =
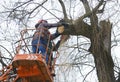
{"points": [[96, 30]]}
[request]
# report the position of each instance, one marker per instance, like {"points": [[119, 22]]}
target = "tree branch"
{"points": [[38, 6], [63, 8], [88, 11], [86, 5], [14, 9]]}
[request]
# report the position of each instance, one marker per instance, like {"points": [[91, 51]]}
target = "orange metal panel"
{"points": [[32, 67]]}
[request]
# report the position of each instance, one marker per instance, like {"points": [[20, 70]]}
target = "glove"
{"points": [[62, 22]]}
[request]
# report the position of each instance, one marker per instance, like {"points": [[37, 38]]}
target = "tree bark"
{"points": [[101, 50]]}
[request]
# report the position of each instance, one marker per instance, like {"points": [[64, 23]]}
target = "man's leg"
{"points": [[33, 49], [42, 50]]}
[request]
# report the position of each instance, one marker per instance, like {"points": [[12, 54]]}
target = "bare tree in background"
{"points": [[88, 25]]}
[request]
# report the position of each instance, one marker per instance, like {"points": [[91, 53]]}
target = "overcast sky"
{"points": [[10, 35]]}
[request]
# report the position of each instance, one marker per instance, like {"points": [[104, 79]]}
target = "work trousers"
{"points": [[39, 47]]}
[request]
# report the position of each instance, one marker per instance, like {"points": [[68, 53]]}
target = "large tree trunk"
{"points": [[101, 50]]}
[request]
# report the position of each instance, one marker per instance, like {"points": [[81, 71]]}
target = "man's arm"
{"points": [[53, 36], [48, 25]]}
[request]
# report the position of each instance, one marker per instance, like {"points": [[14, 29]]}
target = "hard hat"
{"points": [[40, 21]]}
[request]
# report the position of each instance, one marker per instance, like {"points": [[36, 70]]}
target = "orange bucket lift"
{"points": [[27, 67]]}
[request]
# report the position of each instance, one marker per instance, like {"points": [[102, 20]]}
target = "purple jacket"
{"points": [[47, 25], [42, 33]]}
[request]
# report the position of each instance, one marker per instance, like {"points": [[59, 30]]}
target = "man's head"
{"points": [[39, 22]]}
